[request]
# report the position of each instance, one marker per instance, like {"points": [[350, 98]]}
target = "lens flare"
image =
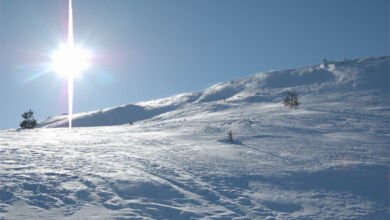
{"points": [[70, 60]]}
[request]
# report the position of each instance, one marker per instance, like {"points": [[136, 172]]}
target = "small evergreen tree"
{"points": [[29, 122], [291, 100]]}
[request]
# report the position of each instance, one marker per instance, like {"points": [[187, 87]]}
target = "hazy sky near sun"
{"points": [[147, 49]]}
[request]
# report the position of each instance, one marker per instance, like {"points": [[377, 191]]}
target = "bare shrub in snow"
{"points": [[230, 136]]}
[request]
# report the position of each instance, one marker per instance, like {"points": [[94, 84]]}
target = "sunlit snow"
{"points": [[327, 159]]}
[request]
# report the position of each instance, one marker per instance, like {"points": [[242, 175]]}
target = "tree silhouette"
{"points": [[29, 122]]}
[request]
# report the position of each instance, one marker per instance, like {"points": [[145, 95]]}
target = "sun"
{"points": [[70, 60]]}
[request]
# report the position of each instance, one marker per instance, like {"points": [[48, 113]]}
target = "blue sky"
{"points": [[147, 49]]}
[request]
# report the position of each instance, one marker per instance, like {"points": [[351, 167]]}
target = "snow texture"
{"points": [[327, 159]]}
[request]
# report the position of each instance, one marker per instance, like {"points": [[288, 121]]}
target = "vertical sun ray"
{"points": [[70, 60], [70, 75]]}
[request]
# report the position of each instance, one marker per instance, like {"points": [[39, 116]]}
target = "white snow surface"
{"points": [[327, 159]]}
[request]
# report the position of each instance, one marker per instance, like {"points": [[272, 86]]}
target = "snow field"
{"points": [[328, 159]]}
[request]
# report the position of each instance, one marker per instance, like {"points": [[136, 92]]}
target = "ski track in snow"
{"points": [[328, 159]]}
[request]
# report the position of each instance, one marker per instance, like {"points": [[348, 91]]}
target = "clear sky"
{"points": [[147, 49]]}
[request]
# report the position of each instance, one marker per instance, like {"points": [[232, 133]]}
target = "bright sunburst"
{"points": [[70, 60]]}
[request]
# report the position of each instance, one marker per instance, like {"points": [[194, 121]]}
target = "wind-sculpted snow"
{"points": [[327, 159]]}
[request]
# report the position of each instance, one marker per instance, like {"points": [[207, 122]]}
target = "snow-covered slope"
{"points": [[328, 159], [329, 77]]}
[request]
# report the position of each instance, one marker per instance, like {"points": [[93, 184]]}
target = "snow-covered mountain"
{"points": [[327, 159], [324, 79]]}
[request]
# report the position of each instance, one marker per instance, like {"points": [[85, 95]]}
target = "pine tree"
{"points": [[29, 122], [291, 100]]}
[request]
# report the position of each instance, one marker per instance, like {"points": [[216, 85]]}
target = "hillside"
{"points": [[326, 78], [327, 159]]}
